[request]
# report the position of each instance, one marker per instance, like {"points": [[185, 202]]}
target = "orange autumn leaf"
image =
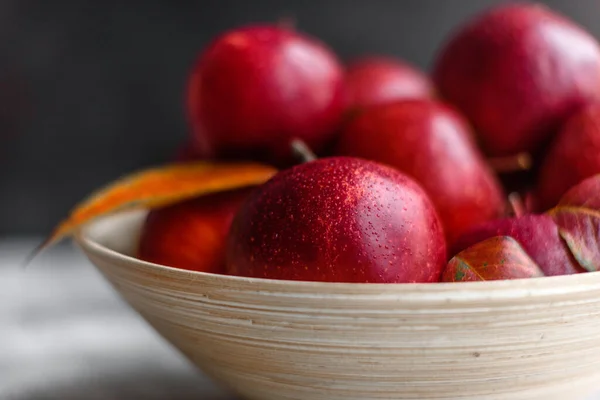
{"points": [[157, 187]]}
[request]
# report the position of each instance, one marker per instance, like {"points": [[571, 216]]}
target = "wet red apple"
{"points": [[191, 235], [538, 235], [338, 219], [255, 88], [496, 258], [376, 80], [573, 156], [433, 144], [517, 72]]}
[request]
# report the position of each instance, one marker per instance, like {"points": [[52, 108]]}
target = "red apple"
{"points": [[517, 72], [191, 234], [496, 258], [585, 194], [376, 80], [433, 144], [537, 234], [573, 156], [338, 219], [255, 88]]}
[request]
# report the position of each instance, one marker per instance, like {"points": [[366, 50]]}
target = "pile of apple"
{"points": [[411, 182]]}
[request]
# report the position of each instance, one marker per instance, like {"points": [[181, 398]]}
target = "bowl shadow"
{"points": [[144, 385]]}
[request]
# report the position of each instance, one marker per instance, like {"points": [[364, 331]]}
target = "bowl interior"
{"points": [[118, 233]]}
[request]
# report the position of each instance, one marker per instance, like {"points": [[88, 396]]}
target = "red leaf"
{"points": [[580, 228], [497, 258], [578, 218]]}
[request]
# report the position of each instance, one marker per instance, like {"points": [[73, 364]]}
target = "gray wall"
{"points": [[93, 89]]}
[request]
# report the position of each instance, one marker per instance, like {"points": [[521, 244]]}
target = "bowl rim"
{"points": [[546, 285]]}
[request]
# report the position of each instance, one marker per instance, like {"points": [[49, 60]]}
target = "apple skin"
{"points": [[517, 72], [433, 144], [192, 234], [257, 87], [585, 194], [537, 234], [338, 219], [377, 80], [573, 156]]}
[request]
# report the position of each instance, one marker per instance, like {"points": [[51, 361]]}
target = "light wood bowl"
{"points": [[274, 340]]}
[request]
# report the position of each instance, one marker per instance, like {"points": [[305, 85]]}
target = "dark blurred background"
{"points": [[90, 90]]}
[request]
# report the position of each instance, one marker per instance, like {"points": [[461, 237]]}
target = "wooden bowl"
{"points": [[273, 340]]}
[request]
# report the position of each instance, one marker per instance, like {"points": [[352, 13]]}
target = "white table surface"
{"points": [[66, 335]]}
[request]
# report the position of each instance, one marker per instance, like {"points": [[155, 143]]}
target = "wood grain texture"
{"points": [[268, 340]]}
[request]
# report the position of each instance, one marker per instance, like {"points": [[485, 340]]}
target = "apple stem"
{"points": [[302, 151], [517, 162], [515, 202]]}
